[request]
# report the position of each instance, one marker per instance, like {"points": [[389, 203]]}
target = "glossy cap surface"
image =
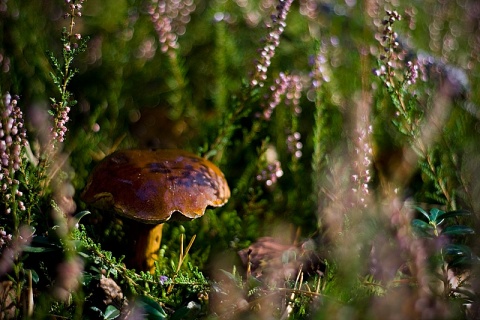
{"points": [[150, 185]]}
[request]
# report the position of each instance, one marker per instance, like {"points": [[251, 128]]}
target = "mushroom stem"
{"points": [[146, 247]]}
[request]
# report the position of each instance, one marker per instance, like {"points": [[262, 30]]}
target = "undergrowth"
{"points": [[347, 132]]}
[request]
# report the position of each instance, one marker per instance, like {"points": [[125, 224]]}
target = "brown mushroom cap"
{"points": [[150, 185]]}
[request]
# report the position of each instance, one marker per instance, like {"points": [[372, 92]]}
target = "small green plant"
{"points": [[72, 45], [439, 228]]}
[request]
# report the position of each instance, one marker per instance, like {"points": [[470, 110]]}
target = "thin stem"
{"points": [[181, 258], [72, 22]]}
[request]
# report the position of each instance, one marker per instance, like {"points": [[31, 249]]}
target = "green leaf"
{"points": [[38, 249], [152, 309], [87, 279], [111, 313], [38, 241], [253, 283], [422, 228], [417, 223], [435, 213], [180, 314], [229, 275], [81, 214], [457, 250], [35, 277], [457, 230], [452, 214], [467, 293], [423, 212], [460, 262], [41, 244], [83, 254], [190, 311]]}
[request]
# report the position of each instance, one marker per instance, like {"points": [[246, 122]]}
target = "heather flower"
{"points": [[390, 46], [163, 279], [68, 278], [72, 44], [13, 246], [12, 139], [411, 73], [60, 120], [4, 63], [272, 41], [294, 146], [3, 5], [363, 152], [320, 65], [147, 49], [410, 17], [74, 10], [288, 87], [273, 171], [278, 89], [294, 93], [285, 86], [394, 55], [309, 8], [5, 239], [75, 7], [170, 18]]}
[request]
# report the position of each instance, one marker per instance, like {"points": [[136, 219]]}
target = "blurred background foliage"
{"points": [[132, 95]]}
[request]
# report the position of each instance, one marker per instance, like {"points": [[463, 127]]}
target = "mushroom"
{"points": [[150, 187]]}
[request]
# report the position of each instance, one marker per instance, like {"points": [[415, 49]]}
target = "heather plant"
{"points": [[347, 132]]}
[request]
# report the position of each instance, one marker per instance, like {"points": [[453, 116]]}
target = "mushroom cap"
{"points": [[150, 185]]}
